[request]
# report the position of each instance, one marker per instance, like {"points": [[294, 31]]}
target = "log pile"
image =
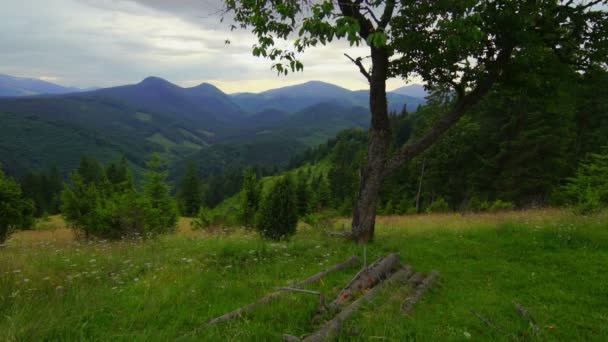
{"points": [[366, 284]]}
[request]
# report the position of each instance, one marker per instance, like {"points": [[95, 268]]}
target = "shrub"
{"points": [[100, 208], [500, 205], [278, 215], [16, 212], [203, 219], [588, 189], [322, 219], [438, 206]]}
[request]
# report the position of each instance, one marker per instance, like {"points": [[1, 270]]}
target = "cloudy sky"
{"points": [[100, 43]]}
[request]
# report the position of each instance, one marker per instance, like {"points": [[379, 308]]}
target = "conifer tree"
{"points": [[278, 215], [302, 194], [160, 208], [250, 198], [190, 193]]}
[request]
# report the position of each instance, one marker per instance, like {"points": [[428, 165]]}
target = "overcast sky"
{"points": [[101, 43]]}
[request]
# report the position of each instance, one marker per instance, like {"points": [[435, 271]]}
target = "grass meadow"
{"points": [[54, 286]]}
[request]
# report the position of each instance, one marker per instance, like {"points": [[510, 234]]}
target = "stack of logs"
{"points": [[366, 284]]}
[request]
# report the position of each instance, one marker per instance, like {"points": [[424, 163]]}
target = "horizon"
{"points": [[191, 85]]}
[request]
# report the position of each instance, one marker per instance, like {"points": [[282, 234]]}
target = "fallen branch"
{"points": [[490, 324], [294, 289], [411, 301], [366, 278], [339, 234], [330, 328], [523, 312], [268, 298]]}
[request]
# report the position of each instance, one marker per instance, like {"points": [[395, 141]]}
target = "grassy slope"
{"points": [[550, 261]]}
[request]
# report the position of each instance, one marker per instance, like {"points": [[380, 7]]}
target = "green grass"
{"points": [[552, 262]]}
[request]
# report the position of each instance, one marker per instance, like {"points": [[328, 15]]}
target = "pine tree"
{"points": [[278, 215], [250, 198], [190, 193]]}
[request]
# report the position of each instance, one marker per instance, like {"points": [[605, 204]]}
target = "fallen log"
{"points": [[411, 301], [332, 327], [268, 298], [367, 278], [416, 280]]}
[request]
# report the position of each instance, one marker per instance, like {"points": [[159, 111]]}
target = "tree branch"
{"points": [[462, 105], [360, 65]]}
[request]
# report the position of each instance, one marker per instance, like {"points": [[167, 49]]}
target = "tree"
{"points": [[589, 188], [15, 211], [302, 194], [159, 207], [278, 214], [250, 197], [190, 193], [463, 46]]}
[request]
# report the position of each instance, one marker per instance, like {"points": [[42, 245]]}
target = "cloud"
{"points": [[88, 43]]}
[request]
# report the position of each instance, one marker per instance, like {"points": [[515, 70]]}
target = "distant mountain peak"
{"points": [[155, 81]]}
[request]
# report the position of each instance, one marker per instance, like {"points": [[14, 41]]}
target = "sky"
{"points": [[103, 43]]}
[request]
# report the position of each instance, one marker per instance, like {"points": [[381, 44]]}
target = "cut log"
{"points": [[268, 298], [332, 327], [366, 279], [411, 301], [416, 280]]}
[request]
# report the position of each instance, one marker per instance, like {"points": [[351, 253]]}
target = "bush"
{"points": [[203, 219], [322, 219], [438, 206], [103, 209], [500, 205], [278, 215], [16, 212], [588, 189]]}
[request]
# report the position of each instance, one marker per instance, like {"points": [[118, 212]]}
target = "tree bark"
{"points": [[372, 172]]}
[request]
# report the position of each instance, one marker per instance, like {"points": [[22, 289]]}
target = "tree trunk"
{"points": [[372, 172]]}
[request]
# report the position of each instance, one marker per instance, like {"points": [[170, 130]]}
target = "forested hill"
{"points": [[522, 157], [158, 116]]}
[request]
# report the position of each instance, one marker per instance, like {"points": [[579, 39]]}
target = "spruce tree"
{"points": [[190, 193], [302, 194], [250, 198], [278, 215], [160, 208]]}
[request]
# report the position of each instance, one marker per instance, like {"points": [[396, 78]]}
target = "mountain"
{"points": [[200, 122], [19, 86], [204, 102], [274, 143], [414, 90], [135, 120], [294, 98]]}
